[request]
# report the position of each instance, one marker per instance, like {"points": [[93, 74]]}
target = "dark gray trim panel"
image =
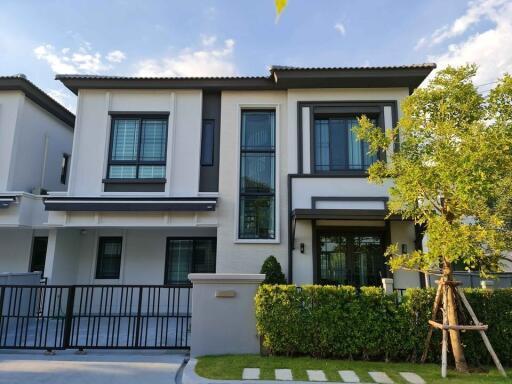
{"points": [[319, 107], [134, 187], [343, 214], [315, 199], [127, 204], [18, 83], [140, 113], [209, 174]]}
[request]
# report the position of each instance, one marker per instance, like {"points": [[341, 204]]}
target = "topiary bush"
{"points": [[340, 322], [271, 268]]}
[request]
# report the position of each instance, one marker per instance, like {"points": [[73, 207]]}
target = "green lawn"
{"points": [[231, 366]]}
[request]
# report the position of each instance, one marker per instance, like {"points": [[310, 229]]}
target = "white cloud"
{"points": [[83, 60], [488, 48], [116, 56], [476, 11], [340, 28], [206, 61]]}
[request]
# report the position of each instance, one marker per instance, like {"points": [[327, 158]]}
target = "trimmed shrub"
{"points": [[338, 321], [272, 271]]}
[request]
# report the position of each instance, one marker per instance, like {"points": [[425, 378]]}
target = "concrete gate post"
{"points": [[223, 313]]}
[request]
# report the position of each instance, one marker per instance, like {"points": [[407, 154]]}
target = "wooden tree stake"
{"points": [[444, 351], [435, 309], [482, 333]]}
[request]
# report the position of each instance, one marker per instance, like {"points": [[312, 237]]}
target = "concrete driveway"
{"points": [[108, 367]]}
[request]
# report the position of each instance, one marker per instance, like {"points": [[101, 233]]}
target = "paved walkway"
{"points": [[251, 375], [109, 367]]}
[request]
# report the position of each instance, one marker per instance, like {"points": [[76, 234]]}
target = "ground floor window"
{"points": [[351, 258], [108, 264], [189, 255], [38, 257]]}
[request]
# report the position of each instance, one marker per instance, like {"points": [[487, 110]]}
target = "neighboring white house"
{"points": [[36, 135], [176, 175]]}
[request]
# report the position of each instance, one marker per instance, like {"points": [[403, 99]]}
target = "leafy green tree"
{"points": [[271, 268], [452, 175]]}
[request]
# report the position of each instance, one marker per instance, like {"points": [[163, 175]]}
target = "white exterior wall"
{"points": [[32, 166], [142, 258], [236, 256], [92, 135], [16, 248], [10, 102]]}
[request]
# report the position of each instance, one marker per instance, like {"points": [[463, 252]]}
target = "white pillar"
{"points": [[62, 256], [223, 313], [387, 284]]}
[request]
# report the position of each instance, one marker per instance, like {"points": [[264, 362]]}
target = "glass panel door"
{"points": [[350, 258]]}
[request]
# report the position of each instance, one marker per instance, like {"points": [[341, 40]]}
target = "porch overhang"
{"points": [[130, 204], [343, 214], [5, 201]]}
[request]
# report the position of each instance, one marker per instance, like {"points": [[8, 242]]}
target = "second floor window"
{"points": [[257, 175], [138, 148], [337, 147]]}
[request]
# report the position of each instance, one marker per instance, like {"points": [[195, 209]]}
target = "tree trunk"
{"points": [[457, 349]]}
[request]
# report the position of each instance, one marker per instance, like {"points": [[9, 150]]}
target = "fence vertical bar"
{"points": [[137, 322], [69, 316]]}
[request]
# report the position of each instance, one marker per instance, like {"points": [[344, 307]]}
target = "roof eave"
{"points": [[39, 97]]}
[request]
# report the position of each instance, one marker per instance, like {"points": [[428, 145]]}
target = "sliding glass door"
{"points": [[350, 258]]}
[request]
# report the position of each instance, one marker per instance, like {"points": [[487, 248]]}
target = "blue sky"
{"points": [[230, 37]]}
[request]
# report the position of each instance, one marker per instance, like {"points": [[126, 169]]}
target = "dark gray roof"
{"points": [[280, 77], [365, 68], [38, 96]]}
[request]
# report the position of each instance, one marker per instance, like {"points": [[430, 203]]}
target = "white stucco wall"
{"points": [[235, 256], [142, 258], [90, 151], [34, 128], [15, 246], [10, 102]]}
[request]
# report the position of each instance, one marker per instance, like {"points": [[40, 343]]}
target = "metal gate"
{"points": [[95, 316]]}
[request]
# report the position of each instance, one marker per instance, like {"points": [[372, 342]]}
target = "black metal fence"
{"points": [[95, 316]]}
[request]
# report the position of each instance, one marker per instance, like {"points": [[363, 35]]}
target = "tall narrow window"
{"points": [[337, 147], [189, 255], [138, 148], [64, 168], [207, 142], [108, 264], [257, 175], [39, 245]]}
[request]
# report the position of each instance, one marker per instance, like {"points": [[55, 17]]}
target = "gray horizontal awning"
{"points": [[5, 201], [130, 204], [342, 214]]}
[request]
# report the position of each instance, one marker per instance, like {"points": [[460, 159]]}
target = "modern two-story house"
{"points": [[36, 136], [177, 175]]}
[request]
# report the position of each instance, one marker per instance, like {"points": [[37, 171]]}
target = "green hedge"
{"points": [[338, 321]]}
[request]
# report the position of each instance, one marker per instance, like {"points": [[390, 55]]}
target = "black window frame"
{"points": [[208, 149], [168, 256], [242, 194], [375, 116], [100, 275], [64, 170], [138, 162]]}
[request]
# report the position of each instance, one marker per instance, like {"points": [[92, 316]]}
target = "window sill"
{"points": [[257, 241], [347, 173], [134, 185]]}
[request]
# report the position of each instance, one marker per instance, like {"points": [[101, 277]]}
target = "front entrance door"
{"points": [[351, 257]]}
